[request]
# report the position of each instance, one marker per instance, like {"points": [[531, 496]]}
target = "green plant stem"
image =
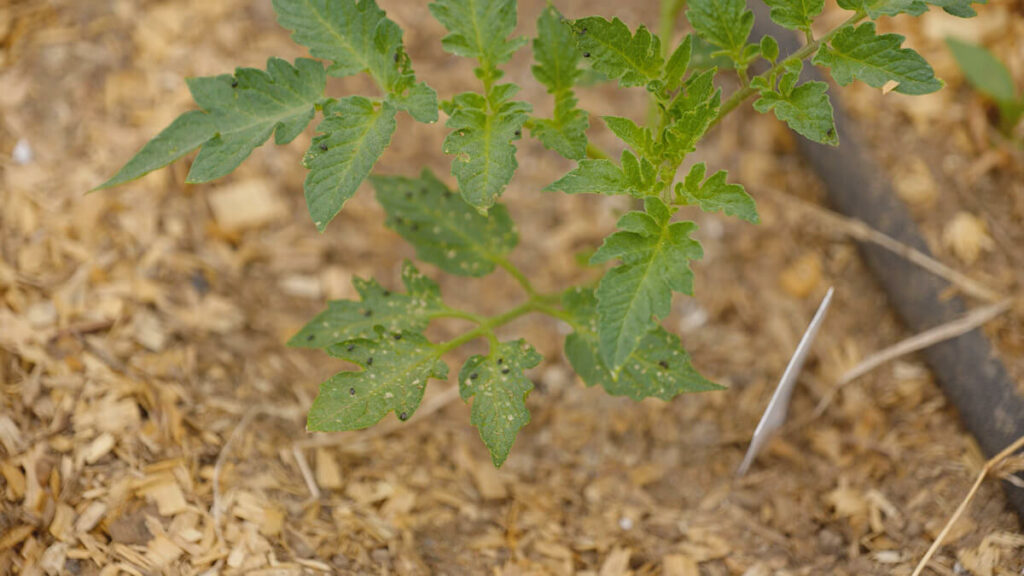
{"points": [[487, 326], [596, 152], [739, 96], [507, 265]]}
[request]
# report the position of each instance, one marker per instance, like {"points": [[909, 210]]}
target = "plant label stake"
{"points": [[775, 415]]}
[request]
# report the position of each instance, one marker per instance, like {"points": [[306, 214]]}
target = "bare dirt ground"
{"points": [[152, 421]]}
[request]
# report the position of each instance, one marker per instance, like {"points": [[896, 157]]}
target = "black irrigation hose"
{"points": [[966, 368]]}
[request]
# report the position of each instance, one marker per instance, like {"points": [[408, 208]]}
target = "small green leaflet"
{"points": [[795, 14], [724, 23], [499, 387], [983, 70], [655, 257], [557, 69], [959, 8], [479, 29], [806, 110], [395, 369], [877, 8], [692, 114], [355, 133], [445, 230], [678, 63], [240, 112], [347, 319], [483, 129], [632, 59], [859, 53], [714, 194], [658, 368], [636, 177], [638, 138]]}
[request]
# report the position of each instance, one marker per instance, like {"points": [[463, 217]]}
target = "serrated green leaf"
{"points": [[677, 65], [566, 133], [420, 101], [483, 129], [591, 176], [499, 388], [558, 70], [356, 36], [185, 134], [241, 112], [724, 23], [806, 110], [959, 8], [658, 368], [354, 134], [795, 14], [638, 138], [877, 8], [655, 257], [691, 115], [348, 319], [395, 369], [632, 59], [714, 194], [479, 29], [983, 70], [445, 230], [859, 53]]}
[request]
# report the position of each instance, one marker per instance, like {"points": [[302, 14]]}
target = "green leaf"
{"points": [[355, 36], [638, 138], [483, 129], [795, 14], [959, 8], [348, 319], [185, 134], [769, 48], [566, 133], [655, 257], [859, 53], [806, 110], [354, 135], [716, 195], [445, 230], [691, 115], [677, 64], [395, 369], [499, 388], [877, 8], [240, 112], [724, 23], [983, 70], [557, 69], [632, 59], [636, 177], [479, 29], [658, 368], [420, 102]]}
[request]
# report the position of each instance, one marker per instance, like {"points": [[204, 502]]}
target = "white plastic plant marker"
{"points": [[775, 415]]}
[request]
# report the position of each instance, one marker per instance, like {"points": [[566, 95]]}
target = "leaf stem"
{"points": [[739, 96], [515, 272], [487, 326]]}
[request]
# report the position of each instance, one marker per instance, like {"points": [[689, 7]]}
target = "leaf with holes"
{"points": [[658, 368], [445, 230], [498, 386], [377, 306], [655, 257], [395, 367], [355, 132]]}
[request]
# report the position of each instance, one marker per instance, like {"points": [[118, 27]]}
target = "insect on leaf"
{"points": [[498, 386], [876, 59], [655, 257], [349, 319], [355, 133], [444, 229], [658, 368], [395, 367]]}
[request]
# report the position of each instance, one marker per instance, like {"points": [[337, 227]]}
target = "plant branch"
{"points": [[507, 265], [739, 96]]}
